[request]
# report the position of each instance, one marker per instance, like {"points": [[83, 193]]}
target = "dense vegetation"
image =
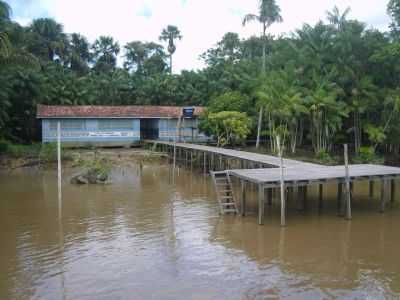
{"points": [[333, 82]]}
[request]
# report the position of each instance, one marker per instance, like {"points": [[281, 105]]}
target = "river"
{"points": [[144, 237]]}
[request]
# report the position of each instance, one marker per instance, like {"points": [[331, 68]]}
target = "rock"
{"points": [[102, 177], [79, 179]]}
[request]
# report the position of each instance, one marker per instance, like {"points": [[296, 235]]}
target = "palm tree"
{"points": [[105, 51], [80, 54], [336, 18], [51, 38], [5, 11], [170, 34], [269, 13]]}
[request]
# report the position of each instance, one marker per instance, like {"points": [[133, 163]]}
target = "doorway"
{"points": [[149, 129]]}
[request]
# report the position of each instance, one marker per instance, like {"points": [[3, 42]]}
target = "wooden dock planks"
{"points": [[323, 173]]}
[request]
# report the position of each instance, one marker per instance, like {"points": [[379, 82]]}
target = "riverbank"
{"points": [[22, 156]]}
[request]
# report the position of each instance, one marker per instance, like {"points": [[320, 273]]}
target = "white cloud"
{"points": [[202, 22]]}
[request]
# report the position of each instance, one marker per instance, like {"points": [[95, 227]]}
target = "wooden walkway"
{"points": [[265, 172], [257, 158], [297, 176]]}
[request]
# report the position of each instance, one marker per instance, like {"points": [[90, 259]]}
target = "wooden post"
{"points": [[371, 189], [339, 199], [243, 197], [283, 198], [320, 197], [59, 158], [304, 198], [260, 204], [347, 175], [383, 194], [392, 191], [205, 163], [269, 192]]}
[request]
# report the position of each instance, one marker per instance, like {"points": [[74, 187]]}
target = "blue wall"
{"points": [[189, 132], [90, 131]]}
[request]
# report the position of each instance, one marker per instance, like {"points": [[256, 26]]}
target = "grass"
{"points": [[44, 152]]}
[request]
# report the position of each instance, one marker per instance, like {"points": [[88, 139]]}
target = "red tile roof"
{"points": [[96, 111]]}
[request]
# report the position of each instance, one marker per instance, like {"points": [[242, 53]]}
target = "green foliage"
{"points": [[368, 155], [48, 152], [324, 157], [229, 127], [97, 167], [230, 101], [333, 82], [19, 151], [4, 146]]}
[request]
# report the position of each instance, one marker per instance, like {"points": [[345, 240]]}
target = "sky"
{"points": [[201, 22]]}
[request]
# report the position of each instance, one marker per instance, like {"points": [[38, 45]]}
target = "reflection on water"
{"points": [[143, 237]]}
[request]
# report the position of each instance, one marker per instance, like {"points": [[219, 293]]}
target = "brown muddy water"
{"points": [[143, 237]]}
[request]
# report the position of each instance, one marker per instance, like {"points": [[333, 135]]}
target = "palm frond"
{"points": [[250, 18]]}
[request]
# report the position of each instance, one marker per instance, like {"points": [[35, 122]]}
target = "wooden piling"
{"points": [[340, 199], [269, 197], [392, 191], [383, 195], [243, 197], [205, 163], [371, 189], [261, 204], [348, 189], [320, 197]]}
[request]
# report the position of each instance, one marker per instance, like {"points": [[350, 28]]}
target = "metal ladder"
{"points": [[224, 190]]}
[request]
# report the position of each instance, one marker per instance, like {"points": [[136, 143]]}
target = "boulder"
{"points": [[79, 179], [89, 177]]}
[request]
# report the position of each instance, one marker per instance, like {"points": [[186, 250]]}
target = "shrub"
{"points": [[4, 146], [368, 155], [99, 167], [324, 157]]}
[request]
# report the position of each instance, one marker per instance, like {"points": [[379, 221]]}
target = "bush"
{"points": [[4, 146], [368, 155], [23, 151], [99, 167], [324, 157], [48, 153]]}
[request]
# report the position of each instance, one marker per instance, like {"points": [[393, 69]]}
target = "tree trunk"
{"points": [[259, 127], [264, 57], [357, 132]]}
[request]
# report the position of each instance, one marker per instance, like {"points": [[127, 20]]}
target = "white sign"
{"points": [[111, 134]]}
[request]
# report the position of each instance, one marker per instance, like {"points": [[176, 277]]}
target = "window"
{"points": [[115, 124], [68, 124]]}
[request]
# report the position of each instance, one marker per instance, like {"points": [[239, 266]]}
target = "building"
{"points": [[119, 125]]}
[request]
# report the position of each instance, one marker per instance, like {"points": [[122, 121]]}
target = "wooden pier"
{"points": [[264, 171]]}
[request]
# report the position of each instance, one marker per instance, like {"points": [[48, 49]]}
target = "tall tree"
{"points": [[80, 53], [269, 13], [105, 51], [337, 18], [393, 9], [49, 39], [140, 55], [5, 12], [170, 34]]}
